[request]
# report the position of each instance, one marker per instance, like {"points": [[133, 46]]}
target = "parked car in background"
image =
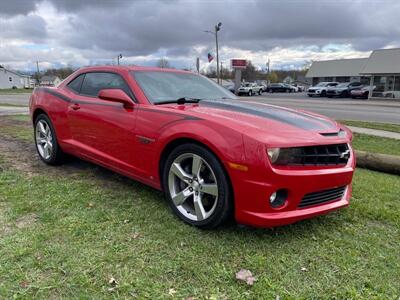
{"points": [[362, 93], [279, 88], [320, 89], [230, 87], [250, 88], [343, 89], [294, 88], [300, 88]]}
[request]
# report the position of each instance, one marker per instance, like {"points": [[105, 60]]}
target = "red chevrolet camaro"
{"points": [[214, 156]]}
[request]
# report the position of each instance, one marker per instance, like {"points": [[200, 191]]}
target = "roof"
{"points": [[337, 67], [129, 68], [14, 72], [383, 61], [49, 78]]}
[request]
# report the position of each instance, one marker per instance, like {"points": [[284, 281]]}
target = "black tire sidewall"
{"points": [[224, 207], [55, 157]]}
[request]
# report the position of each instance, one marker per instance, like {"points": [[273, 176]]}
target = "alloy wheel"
{"points": [[44, 139], [193, 187]]}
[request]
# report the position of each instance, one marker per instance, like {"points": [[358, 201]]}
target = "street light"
{"points": [[216, 28]]}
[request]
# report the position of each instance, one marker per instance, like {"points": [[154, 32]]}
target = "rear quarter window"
{"points": [[76, 83], [96, 81]]}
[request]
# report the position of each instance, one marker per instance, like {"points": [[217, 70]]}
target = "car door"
{"points": [[102, 130]]}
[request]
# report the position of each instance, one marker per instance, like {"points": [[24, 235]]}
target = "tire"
{"points": [[46, 141], [323, 94], [344, 94], [309, 96], [250, 93], [260, 92], [217, 207]]}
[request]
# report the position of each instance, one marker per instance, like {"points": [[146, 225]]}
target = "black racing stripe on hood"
{"points": [[294, 118]]}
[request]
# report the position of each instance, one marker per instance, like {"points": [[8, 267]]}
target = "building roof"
{"points": [[383, 61], [337, 67], [48, 78], [14, 72]]}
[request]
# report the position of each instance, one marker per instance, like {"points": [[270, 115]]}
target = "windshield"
{"points": [[322, 84], [342, 85], [167, 86]]}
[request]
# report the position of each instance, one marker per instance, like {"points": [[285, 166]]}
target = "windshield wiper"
{"points": [[181, 100]]}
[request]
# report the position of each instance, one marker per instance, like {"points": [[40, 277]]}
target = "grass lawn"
{"points": [[376, 144], [373, 125], [65, 231], [15, 91]]}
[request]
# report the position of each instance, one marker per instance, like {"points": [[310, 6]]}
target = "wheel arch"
{"points": [[171, 145], [37, 112]]}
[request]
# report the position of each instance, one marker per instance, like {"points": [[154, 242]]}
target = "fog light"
{"points": [[278, 198]]}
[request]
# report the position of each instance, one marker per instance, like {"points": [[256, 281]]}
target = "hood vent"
{"points": [[340, 133]]}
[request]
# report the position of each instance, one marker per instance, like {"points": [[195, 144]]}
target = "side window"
{"points": [[76, 84], [94, 82]]}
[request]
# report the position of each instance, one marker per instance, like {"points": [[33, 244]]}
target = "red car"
{"points": [[214, 156]]}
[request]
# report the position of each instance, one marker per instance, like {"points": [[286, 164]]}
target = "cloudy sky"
{"points": [[289, 33]]}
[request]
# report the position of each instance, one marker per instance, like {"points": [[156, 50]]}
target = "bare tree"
{"points": [[163, 63]]}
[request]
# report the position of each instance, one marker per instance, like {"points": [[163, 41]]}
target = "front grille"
{"points": [[324, 196], [336, 154]]}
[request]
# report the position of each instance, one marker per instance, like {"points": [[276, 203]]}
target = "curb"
{"points": [[378, 162]]}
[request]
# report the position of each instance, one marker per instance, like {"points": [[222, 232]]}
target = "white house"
{"points": [[11, 79], [50, 80]]}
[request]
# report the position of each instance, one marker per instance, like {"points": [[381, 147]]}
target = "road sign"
{"points": [[238, 63]]}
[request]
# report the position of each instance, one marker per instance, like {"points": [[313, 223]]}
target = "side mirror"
{"points": [[116, 95]]}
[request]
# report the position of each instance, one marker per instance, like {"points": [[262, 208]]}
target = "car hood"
{"points": [[270, 124]]}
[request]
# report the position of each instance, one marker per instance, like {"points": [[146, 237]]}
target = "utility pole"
{"points": [[217, 28], [221, 72], [198, 64], [215, 32], [118, 58], [37, 73]]}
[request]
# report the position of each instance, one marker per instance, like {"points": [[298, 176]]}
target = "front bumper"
{"points": [[252, 194], [314, 92]]}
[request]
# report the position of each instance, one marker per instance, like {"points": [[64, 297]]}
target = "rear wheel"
{"points": [[196, 186], [260, 92], [250, 93], [46, 141]]}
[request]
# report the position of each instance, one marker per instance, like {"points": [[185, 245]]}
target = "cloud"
{"points": [[291, 32]]}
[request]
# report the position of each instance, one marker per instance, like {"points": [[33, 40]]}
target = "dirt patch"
{"points": [[21, 155], [26, 221], [5, 228]]}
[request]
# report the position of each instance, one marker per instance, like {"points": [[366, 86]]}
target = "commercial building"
{"points": [[383, 66], [340, 70]]}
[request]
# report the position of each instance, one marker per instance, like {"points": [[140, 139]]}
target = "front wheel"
{"points": [[46, 141], [250, 93], [260, 92], [196, 186]]}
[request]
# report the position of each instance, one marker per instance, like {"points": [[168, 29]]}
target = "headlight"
{"points": [[273, 154], [284, 156]]}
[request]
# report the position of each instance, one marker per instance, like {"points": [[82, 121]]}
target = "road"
{"points": [[340, 109]]}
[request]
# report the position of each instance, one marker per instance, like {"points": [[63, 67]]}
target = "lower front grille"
{"points": [[324, 196]]}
